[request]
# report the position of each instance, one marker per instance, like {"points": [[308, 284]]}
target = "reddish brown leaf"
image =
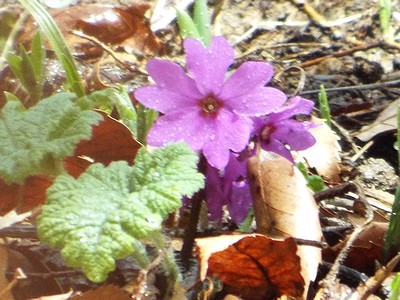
{"points": [[23, 197], [125, 27], [365, 251], [253, 266], [111, 140]]}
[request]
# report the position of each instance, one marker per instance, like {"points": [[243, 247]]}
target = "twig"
{"points": [[341, 53], [320, 20], [372, 285], [371, 86], [110, 51]]}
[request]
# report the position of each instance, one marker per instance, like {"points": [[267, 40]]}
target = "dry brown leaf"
{"points": [[284, 206], [386, 121], [4, 293], [324, 155], [111, 140], [366, 249], [126, 27], [104, 292], [253, 266]]}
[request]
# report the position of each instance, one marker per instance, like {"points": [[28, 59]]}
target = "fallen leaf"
{"points": [[4, 293], [284, 206], [111, 141], [324, 154], [364, 251], [253, 266], [24, 197], [104, 292], [127, 28], [386, 121], [12, 217]]}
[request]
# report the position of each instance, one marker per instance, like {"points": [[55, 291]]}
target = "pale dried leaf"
{"points": [[284, 206], [386, 121], [324, 154], [65, 296], [4, 294], [12, 217]]}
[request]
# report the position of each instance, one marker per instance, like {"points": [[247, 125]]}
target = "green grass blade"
{"points": [[324, 105], [56, 39], [201, 19]]}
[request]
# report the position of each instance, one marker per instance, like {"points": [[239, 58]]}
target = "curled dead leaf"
{"points": [[252, 266], [324, 154], [284, 206], [386, 121]]}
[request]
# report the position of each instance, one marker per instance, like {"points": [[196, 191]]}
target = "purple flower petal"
{"points": [[170, 76], [232, 132], [240, 201], [215, 196], [180, 125], [293, 133], [163, 100], [278, 148], [208, 66], [248, 76], [294, 106], [260, 101]]}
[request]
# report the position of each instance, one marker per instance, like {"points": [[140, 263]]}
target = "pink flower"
{"points": [[210, 113], [279, 130], [230, 188]]}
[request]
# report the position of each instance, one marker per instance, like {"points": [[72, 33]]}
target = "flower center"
{"points": [[210, 105], [266, 132]]}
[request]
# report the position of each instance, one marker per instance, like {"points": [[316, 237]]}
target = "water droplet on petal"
{"points": [[212, 137]]}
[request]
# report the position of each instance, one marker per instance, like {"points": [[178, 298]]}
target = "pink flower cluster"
{"points": [[218, 116]]}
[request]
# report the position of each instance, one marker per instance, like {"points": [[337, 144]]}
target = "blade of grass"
{"points": [[392, 239], [187, 28], [201, 19], [324, 105], [56, 39]]}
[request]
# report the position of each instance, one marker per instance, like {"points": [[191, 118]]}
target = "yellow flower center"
{"points": [[210, 105]]}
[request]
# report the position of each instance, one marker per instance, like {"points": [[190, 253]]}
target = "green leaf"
{"points": [[29, 68], [187, 28], [201, 19], [35, 140], [392, 241], [102, 215], [395, 287], [324, 105], [110, 97]]}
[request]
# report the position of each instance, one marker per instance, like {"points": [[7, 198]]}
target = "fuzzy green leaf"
{"points": [[35, 140], [102, 215]]}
